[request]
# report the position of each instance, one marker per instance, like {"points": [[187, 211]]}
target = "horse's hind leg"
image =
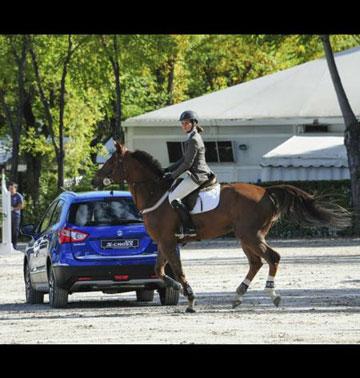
{"points": [[263, 250], [259, 247], [169, 252], [255, 265], [273, 259]]}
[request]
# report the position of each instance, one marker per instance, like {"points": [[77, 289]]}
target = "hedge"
{"points": [[332, 191]]}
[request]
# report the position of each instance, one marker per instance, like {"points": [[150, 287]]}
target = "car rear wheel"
{"points": [[58, 297], [32, 296], [144, 295], [168, 296]]}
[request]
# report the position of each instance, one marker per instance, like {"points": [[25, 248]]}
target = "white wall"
{"points": [[260, 139]]}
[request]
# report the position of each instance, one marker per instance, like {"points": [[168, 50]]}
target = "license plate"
{"points": [[120, 244]]}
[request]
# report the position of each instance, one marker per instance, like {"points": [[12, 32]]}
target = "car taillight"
{"points": [[121, 277], [68, 235]]}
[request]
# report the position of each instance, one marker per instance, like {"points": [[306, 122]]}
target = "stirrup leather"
{"points": [[182, 234]]}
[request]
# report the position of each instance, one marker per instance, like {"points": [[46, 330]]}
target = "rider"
{"points": [[194, 164]]}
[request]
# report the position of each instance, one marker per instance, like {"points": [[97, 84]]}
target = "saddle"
{"points": [[190, 200]]}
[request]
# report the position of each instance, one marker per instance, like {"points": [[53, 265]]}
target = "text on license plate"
{"points": [[118, 244]]}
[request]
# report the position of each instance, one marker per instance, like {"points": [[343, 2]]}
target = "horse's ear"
{"points": [[120, 148]]}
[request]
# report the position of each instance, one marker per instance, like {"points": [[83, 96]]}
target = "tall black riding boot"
{"points": [[188, 225]]}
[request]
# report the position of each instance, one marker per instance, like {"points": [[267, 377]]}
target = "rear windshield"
{"points": [[106, 212]]}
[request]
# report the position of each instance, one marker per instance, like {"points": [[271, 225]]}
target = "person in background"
{"points": [[17, 204]]}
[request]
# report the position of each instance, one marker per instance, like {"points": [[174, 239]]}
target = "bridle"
{"points": [[135, 184], [135, 187]]}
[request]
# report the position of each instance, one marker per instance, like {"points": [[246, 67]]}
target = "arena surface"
{"points": [[319, 281]]}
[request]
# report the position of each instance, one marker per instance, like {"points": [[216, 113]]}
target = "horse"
{"points": [[247, 210]]}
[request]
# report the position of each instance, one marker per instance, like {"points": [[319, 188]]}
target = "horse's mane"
{"points": [[149, 161]]}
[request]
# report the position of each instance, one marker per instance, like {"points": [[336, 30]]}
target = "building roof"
{"points": [[302, 92], [306, 158], [308, 151]]}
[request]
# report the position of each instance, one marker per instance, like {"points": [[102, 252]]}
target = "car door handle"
{"points": [[44, 244]]}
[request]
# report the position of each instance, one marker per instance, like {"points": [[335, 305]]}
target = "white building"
{"points": [[244, 122]]}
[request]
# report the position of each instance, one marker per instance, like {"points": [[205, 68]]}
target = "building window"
{"points": [[175, 151], [225, 152], [216, 152], [316, 129], [211, 152]]}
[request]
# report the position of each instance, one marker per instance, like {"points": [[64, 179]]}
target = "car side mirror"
{"points": [[28, 230]]}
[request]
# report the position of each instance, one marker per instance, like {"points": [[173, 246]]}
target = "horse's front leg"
{"points": [[169, 251]]}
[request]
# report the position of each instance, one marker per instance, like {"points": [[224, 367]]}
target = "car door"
{"points": [[40, 247], [51, 236]]}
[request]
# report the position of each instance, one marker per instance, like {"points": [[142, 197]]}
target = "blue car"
{"points": [[91, 241]]}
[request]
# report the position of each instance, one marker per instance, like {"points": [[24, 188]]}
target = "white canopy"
{"points": [[299, 93], [304, 158]]}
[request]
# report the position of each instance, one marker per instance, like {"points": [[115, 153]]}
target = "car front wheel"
{"points": [[32, 296]]}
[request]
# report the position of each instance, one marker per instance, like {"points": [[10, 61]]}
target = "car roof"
{"points": [[93, 195]]}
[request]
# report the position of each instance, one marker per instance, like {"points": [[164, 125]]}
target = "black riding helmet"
{"points": [[189, 114]]}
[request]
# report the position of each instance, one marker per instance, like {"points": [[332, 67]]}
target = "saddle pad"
{"points": [[207, 200]]}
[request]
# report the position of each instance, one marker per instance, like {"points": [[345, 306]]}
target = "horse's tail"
{"points": [[306, 209]]}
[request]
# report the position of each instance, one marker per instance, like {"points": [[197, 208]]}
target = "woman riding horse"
{"points": [[194, 164]]}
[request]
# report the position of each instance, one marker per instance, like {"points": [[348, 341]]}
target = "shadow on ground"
{"points": [[275, 243], [293, 301]]}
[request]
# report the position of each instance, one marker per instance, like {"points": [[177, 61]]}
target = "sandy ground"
{"points": [[319, 281]]}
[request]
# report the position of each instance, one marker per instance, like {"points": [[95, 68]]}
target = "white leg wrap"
{"points": [[240, 291], [271, 292]]}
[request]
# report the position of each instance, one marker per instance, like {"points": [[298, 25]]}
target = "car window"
{"points": [[105, 212], [57, 213], [47, 217]]}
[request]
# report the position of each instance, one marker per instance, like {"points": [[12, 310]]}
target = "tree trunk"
{"points": [[59, 148], [170, 86], [33, 162], [118, 133], [352, 133], [46, 105], [61, 156], [16, 127]]}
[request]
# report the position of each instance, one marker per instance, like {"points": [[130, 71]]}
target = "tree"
{"points": [[352, 132], [63, 52], [111, 48], [13, 105]]}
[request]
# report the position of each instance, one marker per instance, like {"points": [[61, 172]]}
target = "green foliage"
{"points": [[155, 70]]}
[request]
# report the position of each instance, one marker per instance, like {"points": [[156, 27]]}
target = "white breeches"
{"points": [[183, 189]]}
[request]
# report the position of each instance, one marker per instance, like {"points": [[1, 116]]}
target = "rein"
{"points": [[152, 192], [146, 210]]}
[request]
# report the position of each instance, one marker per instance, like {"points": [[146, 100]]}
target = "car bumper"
{"points": [[93, 278]]}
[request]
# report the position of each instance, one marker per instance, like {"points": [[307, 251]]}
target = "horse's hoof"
{"points": [[190, 310], [236, 303], [277, 300]]}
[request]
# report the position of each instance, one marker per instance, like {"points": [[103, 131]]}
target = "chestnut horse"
{"points": [[247, 210]]}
